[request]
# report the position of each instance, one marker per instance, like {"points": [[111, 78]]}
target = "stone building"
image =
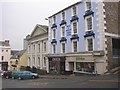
{"points": [[38, 47], [5, 54]]}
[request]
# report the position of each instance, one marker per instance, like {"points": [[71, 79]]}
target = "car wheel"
{"points": [[33, 77], [7, 77], [19, 78], [13, 77]]}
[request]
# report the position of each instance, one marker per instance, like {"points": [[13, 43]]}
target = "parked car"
{"points": [[15, 74], [27, 75], [1, 73], [7, 74]]}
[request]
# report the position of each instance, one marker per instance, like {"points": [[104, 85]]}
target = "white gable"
{"points": [[38, 31]]}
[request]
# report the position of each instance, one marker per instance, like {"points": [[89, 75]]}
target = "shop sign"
{"points": [[80, 58], [94, 60]]}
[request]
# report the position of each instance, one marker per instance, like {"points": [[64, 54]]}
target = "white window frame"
{"points": [[72, 27], [53, 22], [53, 34], [86, 5], [62, 47], [61, 31], [52, 49], [44, 46], [86, 26], [62, 16], [87, 42], [44, 61], [73, 46], [76, 10]]}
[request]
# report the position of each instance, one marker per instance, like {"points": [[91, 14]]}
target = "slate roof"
{"points": [[18, 54], [13, 52], [4, 43]]}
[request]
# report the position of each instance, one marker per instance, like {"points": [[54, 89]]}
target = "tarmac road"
{"points": [[64, 82]]}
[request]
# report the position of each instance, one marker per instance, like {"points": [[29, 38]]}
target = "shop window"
{"points": [[85, 67], [116, 47]]}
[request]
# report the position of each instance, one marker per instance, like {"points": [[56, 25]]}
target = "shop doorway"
{"points": [[71, 66]]}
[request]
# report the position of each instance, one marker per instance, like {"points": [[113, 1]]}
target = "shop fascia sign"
{"points": [[80, 58]]}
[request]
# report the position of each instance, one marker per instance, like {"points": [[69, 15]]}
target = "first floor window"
{"points": [[54, 48], [63, 47], [90, 44], [33, 61], [74, 46], [44, 61]]}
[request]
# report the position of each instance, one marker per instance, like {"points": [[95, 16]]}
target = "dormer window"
{"points": [[74, 10], [63, 15]]}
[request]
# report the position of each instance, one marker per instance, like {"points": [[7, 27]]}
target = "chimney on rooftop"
{"points": [[7, 41]]}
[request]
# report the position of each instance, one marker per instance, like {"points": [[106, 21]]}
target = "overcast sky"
{"points": [[19, 17]]}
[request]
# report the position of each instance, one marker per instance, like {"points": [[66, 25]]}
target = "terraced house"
{"points": [[5, 53], [83, 38]]}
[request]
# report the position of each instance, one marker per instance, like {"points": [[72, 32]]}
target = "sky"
{"points": [[19, 17]]}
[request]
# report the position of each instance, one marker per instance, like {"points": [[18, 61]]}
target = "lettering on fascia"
{"points": [[80, 58]]}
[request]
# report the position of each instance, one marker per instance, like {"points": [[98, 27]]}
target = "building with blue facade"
{"points": [[78, 39]]}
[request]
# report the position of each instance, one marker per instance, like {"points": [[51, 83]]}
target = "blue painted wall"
{"points": [[81, 29]]}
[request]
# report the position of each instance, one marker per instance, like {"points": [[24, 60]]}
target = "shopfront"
{"points": [[85, 64], [56, 65]]}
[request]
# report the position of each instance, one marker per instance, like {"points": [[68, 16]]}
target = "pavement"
{"points": [[91, 78]]}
